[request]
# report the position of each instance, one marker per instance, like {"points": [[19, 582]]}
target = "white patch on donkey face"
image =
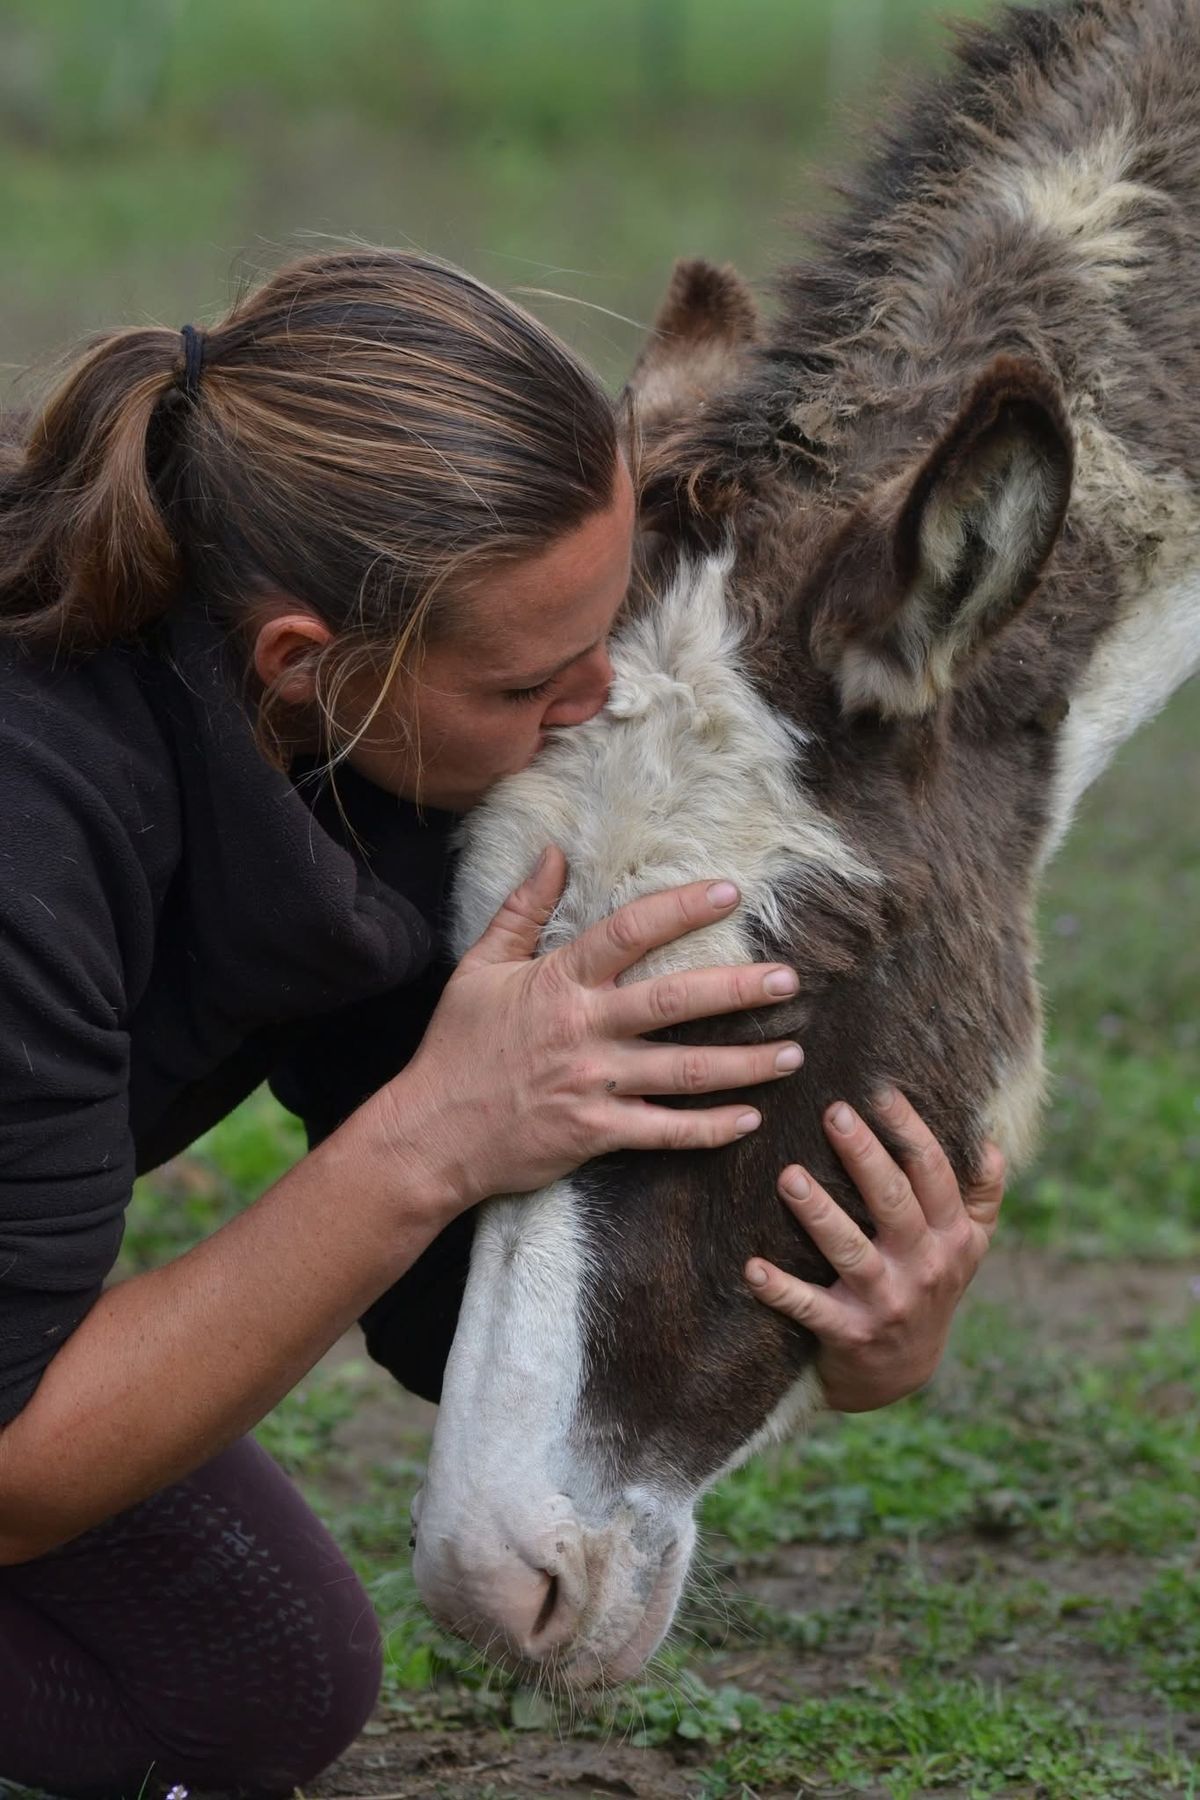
{"points": [[687, 775]]}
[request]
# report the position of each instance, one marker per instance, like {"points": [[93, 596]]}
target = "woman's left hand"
{"points": [[883, 1325]]}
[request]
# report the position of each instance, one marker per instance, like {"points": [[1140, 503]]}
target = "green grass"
{"points": [[1161, 1632], [1119, 1169], [222, 1172], [1090, 1455], [967, 1735]]}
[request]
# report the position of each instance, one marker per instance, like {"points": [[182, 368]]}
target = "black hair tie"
{"points": [[193, 360]]}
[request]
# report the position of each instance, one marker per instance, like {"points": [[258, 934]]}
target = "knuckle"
{"points": [[858, 1333], [693, 1072], [686, 1131], [745, 987], [565, 1028], [993, 1167], [794, 1301], [667, 998], [932, 1277], [822, 1210], [962, 1241], [893, 1310], [895, 1193], [553, 981], [683, 900], [854, 1252], [623, 932], [924, 1153], [553, 973], [524, 904], [933, 1163]]}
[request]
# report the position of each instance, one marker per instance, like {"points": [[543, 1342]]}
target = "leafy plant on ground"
{"points": [[1160, 1632], [1107, 1455]]}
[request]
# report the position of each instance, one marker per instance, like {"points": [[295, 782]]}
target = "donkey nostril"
{"points": [[546, 1611]]}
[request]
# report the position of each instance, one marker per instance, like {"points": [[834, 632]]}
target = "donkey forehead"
{"points": [[687, 774]]}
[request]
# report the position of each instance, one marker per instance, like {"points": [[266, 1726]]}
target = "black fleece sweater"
{"points": [[179, 922]]}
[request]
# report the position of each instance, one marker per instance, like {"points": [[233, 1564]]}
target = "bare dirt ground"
{"points": [[1084, 1307]]}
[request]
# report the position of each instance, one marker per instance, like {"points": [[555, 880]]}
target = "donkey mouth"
{"points": [[617, 1627], [607, 1651]]}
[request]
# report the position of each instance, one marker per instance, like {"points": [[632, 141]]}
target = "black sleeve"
{"points": [[75, 914], [340, 1063]]}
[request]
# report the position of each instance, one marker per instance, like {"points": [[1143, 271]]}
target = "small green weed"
{"points": [[191, 1196], [299, 1432], [1102, 1456], [1161, 1631], [978, 1738]]}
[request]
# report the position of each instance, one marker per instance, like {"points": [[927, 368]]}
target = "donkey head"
{"points": [[845, 689]]}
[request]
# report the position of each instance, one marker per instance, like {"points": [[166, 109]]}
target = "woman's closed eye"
{"points": [[537, 692]]}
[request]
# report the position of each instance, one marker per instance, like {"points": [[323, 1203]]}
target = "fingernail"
{"points": [[756, 1275], [885, 1097], [542, 860], [748, 1121], [781, 981], [722, 893], [841, 1118], [789, 1058], [797, 1184]]}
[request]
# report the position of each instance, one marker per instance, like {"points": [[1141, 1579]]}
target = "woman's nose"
{"points": [[586, 693]]}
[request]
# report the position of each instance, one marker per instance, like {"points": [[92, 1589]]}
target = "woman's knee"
{"points": [[218, 1628], [278, 1725]]}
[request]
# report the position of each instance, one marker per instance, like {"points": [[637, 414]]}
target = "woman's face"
{"points": [[525, 655]]}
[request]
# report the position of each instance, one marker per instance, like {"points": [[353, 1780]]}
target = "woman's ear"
{"points": [[286, 646]]}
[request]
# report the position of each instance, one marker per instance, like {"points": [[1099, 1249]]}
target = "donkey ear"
{"points": [[706, 322], [956, 554]]}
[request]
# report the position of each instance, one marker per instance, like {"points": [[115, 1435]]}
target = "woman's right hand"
{"points": [[531, 1065]]}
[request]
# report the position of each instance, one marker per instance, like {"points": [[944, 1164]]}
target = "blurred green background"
{"points": [[154, 151], [154, 155]]}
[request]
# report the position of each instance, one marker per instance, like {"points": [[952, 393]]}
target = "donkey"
{"points": [[918, 556]]}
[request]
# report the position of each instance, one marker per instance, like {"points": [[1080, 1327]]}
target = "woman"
{"points": [[376, 522]]}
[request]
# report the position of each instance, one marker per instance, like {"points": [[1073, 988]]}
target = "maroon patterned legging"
{"points": [[212, 1636]]}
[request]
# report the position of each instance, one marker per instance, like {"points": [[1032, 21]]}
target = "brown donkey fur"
{"points": [[1013, 290], [955, 486]]}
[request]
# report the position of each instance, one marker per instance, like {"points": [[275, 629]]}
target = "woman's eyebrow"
{"points": [[549, 674]]}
